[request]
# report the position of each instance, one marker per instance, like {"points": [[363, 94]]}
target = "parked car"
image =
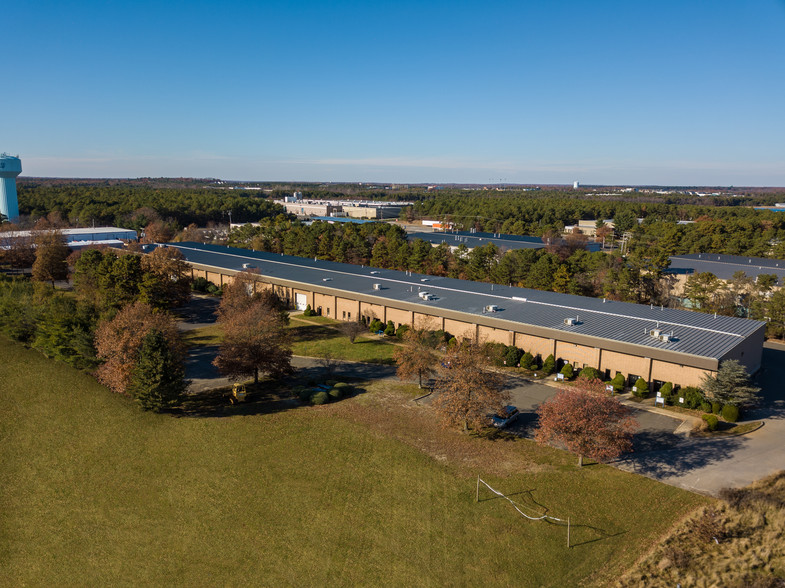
{"points": [[505, 417]]}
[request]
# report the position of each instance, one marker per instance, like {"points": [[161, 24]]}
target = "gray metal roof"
{"points": [[472, 240], [724, 266], [694, 333]]}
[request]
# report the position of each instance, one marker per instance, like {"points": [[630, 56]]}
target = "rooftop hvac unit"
{"points": [[327, 279], [424, 295], [247, 266], [423, 279], [377, 286], [655, 333], [665, 337], [373, 273], [491, 308], [570, 321]]}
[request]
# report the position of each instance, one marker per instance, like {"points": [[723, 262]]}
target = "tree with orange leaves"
{"points": [[587, 421]]}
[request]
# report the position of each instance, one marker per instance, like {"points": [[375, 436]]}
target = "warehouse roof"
{"points": [[472, 240], [724, 266], [693, 333]]}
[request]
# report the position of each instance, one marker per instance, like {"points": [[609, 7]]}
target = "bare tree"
{"points": [[416, 356], [467, 390], [352, 329]]}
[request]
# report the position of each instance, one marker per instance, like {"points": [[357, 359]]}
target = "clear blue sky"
{"points": [[608, 92]]}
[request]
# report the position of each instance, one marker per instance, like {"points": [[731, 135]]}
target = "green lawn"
{"points": [[95, 492]]}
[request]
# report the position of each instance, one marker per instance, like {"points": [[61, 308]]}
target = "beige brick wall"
{"points": [[579, 355], [347, 310], [626, 364], [534, 345], [678, 374], [427, 321], [373, 311], [326, 302], [459, 329], [399, 317], [491, 335]]}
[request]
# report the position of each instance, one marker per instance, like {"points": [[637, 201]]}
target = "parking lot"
{"points": [[655, 431]]}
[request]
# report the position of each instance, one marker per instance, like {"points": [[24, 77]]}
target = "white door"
{"points": [[300, 301]]}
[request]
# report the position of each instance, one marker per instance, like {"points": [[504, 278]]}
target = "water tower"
{"points": [[10, 167]]}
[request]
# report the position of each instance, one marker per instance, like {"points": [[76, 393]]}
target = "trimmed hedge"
{"points": [[567, 371], [590, 373], [641, 388], [320, 398], [730, 413], [526, 360], [549, 365], [711, 421], [618, 382], [716, 407]]}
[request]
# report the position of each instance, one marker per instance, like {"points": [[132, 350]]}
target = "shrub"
{"points": [[716, 407], [705, 406], [304, 394], [730, 413], [331, 382], [452, 342], [549, 365], [692, 397], [666, 391], [376, 325], [526, 360], [214, 290], [401, 331], [390, 329], [641, 388], [590, 373], [200, 284], [336, 393], [711, 421], [320, 398], [308, 311], [567, 371], [513, 355], [618, 382]]}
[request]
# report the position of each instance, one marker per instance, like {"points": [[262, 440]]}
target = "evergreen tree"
{"points": [[158, 379], [731, 385]]}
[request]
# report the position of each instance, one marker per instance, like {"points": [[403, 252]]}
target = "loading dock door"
{"points": [[300, 301]]}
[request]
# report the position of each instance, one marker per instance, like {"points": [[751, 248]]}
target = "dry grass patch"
{"points": [[736, 542]]}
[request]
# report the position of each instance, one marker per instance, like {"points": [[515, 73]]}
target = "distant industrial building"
{"points": [[658, 344], [472, 240], [76, 238], [724, 266], [10, 168], [364, 209]]}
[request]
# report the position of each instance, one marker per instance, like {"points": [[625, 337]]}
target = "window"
{"points": [[328, 312], [344, 315], [349, 315]]}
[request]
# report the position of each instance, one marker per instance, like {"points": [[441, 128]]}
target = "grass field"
{"points": [[364, 491], [314, 337]]}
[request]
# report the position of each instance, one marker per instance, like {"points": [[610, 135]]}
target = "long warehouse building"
{"points": [[657, 344]]}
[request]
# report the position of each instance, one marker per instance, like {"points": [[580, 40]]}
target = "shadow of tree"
{"points": [[681, 458], [306, 333]]}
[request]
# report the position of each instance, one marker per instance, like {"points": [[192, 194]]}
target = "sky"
{"points": [[682, 92]]}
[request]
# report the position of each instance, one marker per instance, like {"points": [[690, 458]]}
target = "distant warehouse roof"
{"points": [[81, 234], [588, 320], [472, 240], [724, 266]]}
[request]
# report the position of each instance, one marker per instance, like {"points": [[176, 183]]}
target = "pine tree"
{"points": [[158, 379], [731, 385]]}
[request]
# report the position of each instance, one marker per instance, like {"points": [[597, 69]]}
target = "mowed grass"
{"points": [[313, 337], [95, 492]]}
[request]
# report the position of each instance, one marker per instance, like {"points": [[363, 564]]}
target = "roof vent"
{"points": [[373, 273], [519, 299], [377, 286], [327, 279], [423, 279]]}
